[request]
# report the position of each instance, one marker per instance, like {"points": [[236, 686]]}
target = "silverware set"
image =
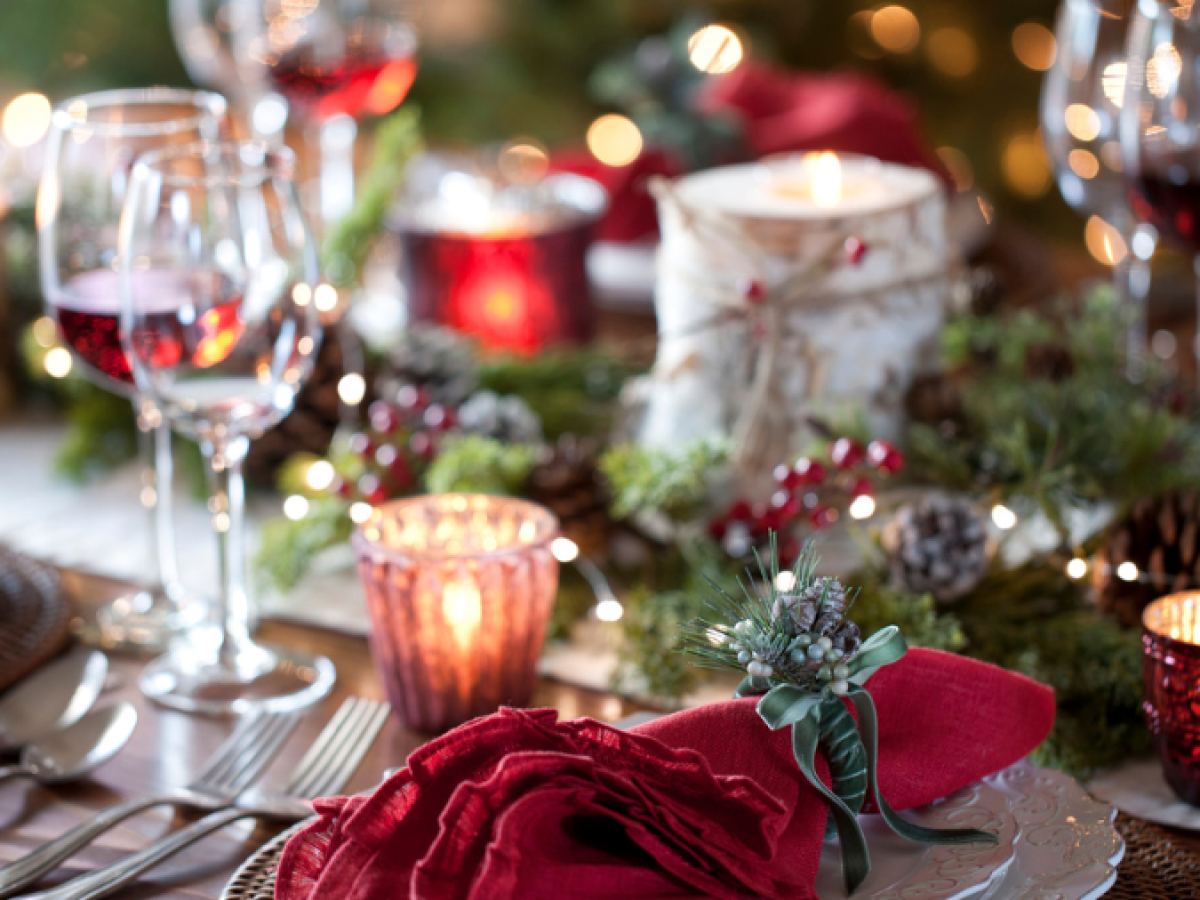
{"points": [[226, 788]]}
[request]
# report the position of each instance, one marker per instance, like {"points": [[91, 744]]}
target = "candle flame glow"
{"points": [[462, 608], [1175, 617], [827, 180]]}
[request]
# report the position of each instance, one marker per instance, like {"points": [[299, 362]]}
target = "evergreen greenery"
{"points": [[673, 483], [472, 464]]}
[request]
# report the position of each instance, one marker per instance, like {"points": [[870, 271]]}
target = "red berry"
{"points": [[401, 472], [822, 517], [383, 418], [341, 487], [855, 250], [885, 457], [386, 455], [809, 471], [717, 528], [769, 521], [740, 511], [370, 488], [360, 444], [846, 453], [411, 397], [435, 417], [779, 499], [754, 291], [862, 488], [789, 550]]}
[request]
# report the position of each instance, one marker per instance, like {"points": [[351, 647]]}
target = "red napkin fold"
{"points": [[704, 803], [781, 111]]}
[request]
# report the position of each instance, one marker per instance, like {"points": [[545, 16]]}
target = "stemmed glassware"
{"points": [[1082, 97], [334, 61], [1160, 122], [91, 148], [218, 272]]}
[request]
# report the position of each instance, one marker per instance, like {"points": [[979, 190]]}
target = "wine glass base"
{"points": [[261, 679], [141, 622]]}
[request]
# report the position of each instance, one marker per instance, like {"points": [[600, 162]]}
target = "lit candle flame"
{"points": [[827, 180], [463, 609]]}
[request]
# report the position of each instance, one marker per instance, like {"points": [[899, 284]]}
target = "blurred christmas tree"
{"points": [[492, 69]]}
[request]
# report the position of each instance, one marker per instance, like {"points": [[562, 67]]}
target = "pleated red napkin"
{"points": [[704, 803]]}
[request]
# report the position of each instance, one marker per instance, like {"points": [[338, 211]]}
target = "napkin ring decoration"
{"points": [[804, 659]]}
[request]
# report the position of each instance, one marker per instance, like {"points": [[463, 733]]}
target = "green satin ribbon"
{"points": [[785, 705]]}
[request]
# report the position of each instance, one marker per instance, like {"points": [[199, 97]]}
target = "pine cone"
{"points": [[438, 360], [937, 546], [568, 483], [934, 399], [509, 419], [1160, 536], [309, 427]]}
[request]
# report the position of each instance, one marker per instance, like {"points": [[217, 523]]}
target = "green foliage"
{"points": [[674, 483], [1036, 620], [397, 140], [287, 548], [653, 624], [1080, 434], [478, 465], [573, 392], [917, 617]]}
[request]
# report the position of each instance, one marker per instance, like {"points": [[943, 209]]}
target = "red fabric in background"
{"points": [[702, 803], [781, 111]]}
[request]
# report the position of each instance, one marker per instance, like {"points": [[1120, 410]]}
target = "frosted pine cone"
{"points": [[509, 418], [938, 546], [437, 360]]}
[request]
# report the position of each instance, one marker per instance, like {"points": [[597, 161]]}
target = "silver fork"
{"points": [[325, 769], [235, 766]]}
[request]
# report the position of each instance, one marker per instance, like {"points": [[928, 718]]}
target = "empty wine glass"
{"points": [[218, 270], [1082, 96], [1160, 142], [334, 61], [92, 145]]}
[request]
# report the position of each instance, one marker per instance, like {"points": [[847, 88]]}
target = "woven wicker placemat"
{"points": [[34, 616], [1160, 863]]}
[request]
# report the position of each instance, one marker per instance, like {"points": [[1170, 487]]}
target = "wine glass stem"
{"points": [[227, 503], [154, 438], [336, 137]]}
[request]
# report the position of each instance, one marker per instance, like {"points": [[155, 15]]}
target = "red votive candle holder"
{"points": [[459, 590], [505, 264], [1171, 668]]}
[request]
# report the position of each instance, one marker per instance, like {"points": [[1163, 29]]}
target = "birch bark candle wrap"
{"points": [[763, 320]]}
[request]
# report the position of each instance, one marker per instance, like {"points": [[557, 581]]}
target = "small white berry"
{"points": [[803, 640], [824, 643], [816, 652], [841, 673], [839, 687], [744, 657], [799, 656]]}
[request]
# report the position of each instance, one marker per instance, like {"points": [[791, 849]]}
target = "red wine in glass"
{"points": [[358, 83], [88, 310], [1171, 205]]}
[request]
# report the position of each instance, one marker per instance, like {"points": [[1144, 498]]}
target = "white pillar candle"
{"points": [[852, 337]]}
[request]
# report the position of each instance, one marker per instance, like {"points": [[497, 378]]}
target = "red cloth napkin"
{"points": [[781, 111], [703, 803]]}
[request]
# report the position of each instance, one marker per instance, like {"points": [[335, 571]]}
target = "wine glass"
{"points": [[1082, 96], [334, 61], [1160, 142], [203, 31], [93, 142], [218, 270]]}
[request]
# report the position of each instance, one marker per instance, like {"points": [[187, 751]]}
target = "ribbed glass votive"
{"points": [[1171, 667], [460, 589]]}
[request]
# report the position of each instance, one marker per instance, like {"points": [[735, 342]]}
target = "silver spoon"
{"points": [[70, 753], [54, 696]]}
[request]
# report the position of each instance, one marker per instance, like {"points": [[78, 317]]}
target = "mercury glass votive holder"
{"points": [[1171, 668], [459, 589]]}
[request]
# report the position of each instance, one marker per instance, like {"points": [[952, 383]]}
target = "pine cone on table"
{"points": [[438, 360], [567, 482], [1160, 536], [509, 418], [937, 546]]}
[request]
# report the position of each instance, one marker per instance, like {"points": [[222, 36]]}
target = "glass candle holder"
{"points": [[459, 589], [1171, 668]]}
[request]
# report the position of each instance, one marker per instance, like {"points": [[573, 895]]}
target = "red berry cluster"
{"points": [[808, 490], [394, 451]]}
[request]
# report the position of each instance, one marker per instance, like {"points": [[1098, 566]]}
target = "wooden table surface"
{"points": [[169, 747]]}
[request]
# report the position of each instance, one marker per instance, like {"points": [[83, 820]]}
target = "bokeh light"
{"points": [[1104, 241], [320, 475], [1025, 167], [352, 388], [523, 161], [564, 549], [1077, 568], [57, 362], [715, 49], [1163, 70], [325, 297], [609, 610], [953, 52], [1082, 122], [896, 29], [1113, 82], [45, 332], [614, 140], [1034, 45], [26, 120], [295, 507], [1083, 164], [1003, 517]]}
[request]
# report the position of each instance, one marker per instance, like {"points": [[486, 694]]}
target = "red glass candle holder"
{"points": [[459, 589], [1171, 670], [507, 265]]}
